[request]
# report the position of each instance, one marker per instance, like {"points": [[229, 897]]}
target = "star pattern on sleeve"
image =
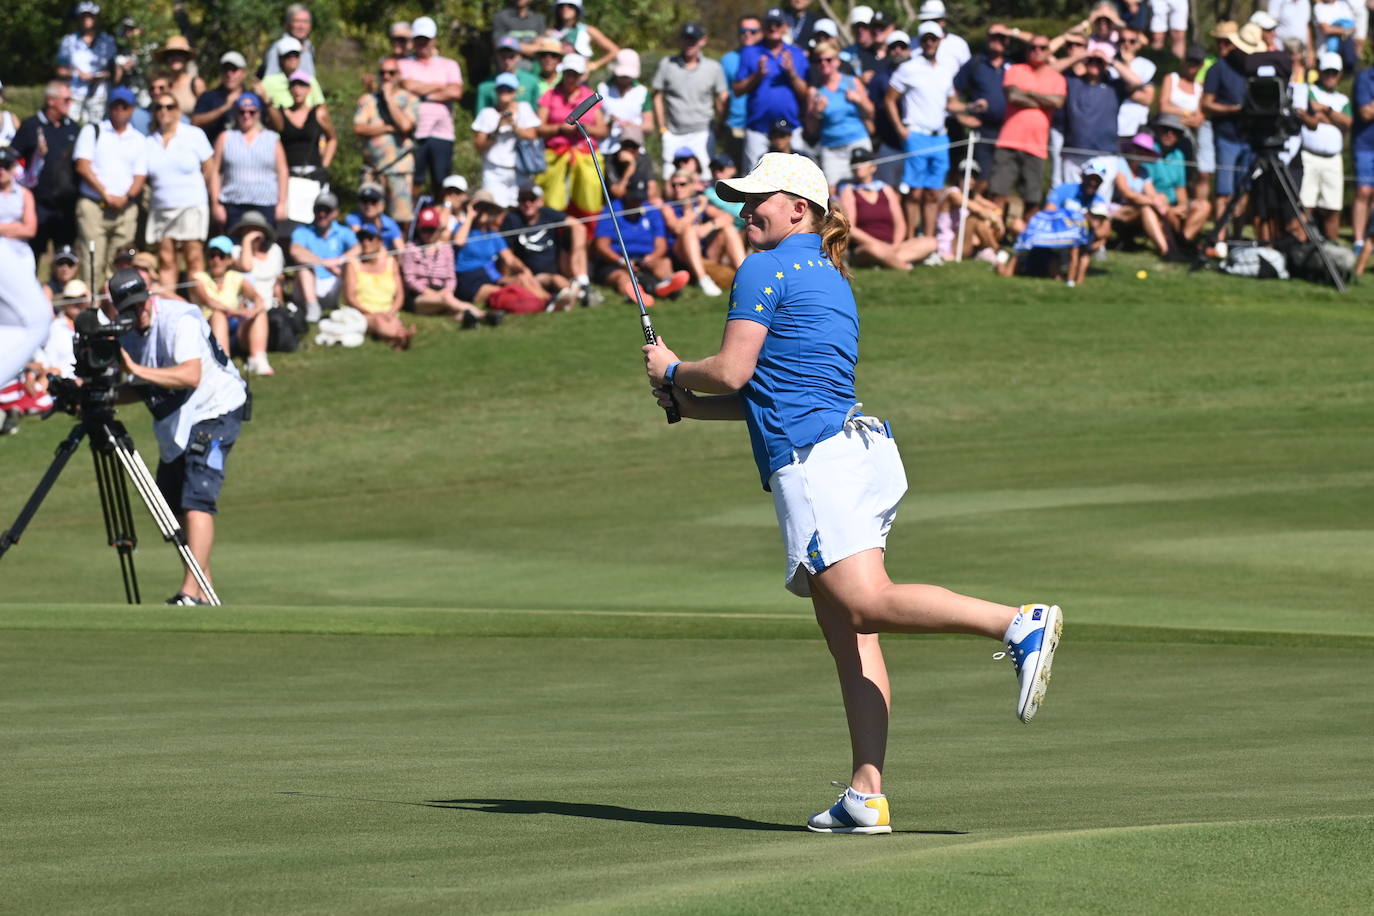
{"points": [[778, 275], [796, 267], [768, 290]]}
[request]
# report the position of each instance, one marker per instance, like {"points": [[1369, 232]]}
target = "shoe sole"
{"points": [[1044, 663], [866, 831]]}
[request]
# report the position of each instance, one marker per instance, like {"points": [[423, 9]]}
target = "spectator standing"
{"points": [[1325, 121], [9, 124], [1181, 96], [309, 141], [186, 85], [249, 171], [214, 111], [890, 142], [323, 246], [625, 100], [384, 119], [750, 31], [1223, 94], [570, 181], [372, 285], [46, 141], [520, 22], [689, 94], [980, 83], [179, 162], [371, 198], [298, 23], [509, 59], [1034, 90], [1294, 20], [275, 88], [495, 132], [144, 119], [1135, 14], [86, 60], [801, 23], [925, 86], [954, 50], [1362, 146], [1171, 17], [577, 37], [772, 74], [438, 82], [839, 112], [399, 36], [1134, 113], [1268, 26], [1095, 92], [112, 161], [865, 53], [18, 219]]}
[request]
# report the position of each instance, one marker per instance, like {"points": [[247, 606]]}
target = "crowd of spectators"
{"points": [[1033, 152]]}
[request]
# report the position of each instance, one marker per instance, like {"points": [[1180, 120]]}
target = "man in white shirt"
{"points": [[1134, 112], [197, 400], [925, 86], [112, 162], [953, 49], [1293, 19], [1326, 120]]}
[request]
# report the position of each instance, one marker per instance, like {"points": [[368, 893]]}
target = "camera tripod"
{"points": [[1267, 162], [113, 449]]}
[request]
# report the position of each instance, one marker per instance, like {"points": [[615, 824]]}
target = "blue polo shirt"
{"points": [[1362, 93], [639, 231], [1228, 85], [803, 383], [773, 98], [1090, 113], [337, 239], [390, 231], [480, 253], [978, 79], [739, 104]]}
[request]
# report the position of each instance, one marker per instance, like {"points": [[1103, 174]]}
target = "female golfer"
{"points": [[786, 368]]}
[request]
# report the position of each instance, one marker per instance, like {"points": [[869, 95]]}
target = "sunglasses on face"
{"points": [[164, 108], [120, 105], [745, 31], [1040, 47], [248, 111]]}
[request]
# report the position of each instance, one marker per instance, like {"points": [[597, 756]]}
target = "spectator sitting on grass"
{"points": [[646, 242], [697, 232], [323, 246], [722, 168], [486, 266], [59, 353], [372, 285], [551, 244], [427, 272], [1137, 202], [232, 306], [371, 198], [258, 257], [1073, 224], [877, 224], [981, 219], [1186, 216], [629, 164]]}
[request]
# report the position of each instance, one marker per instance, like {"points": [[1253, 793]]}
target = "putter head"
{"points": [[587, 105]]}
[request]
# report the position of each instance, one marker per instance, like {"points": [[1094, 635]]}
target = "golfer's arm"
{"points": [[730, 369], [709, 407]]}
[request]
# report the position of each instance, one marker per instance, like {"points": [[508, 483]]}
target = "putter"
{"points": [[575, 120]]}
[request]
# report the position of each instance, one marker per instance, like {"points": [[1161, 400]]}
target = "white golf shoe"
{"points": [[1031, 640], [853, 813]]}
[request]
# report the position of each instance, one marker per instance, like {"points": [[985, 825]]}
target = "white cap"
{"points": [[931, 9], [287, 45], [1264, 20], [456, 181], [898, 36], [930, 28], [826, 27], [1330, 60], [234, 58], [574, 62], [576, 3], [790, 172], [626, 63], [861, 15], [423, 27]]}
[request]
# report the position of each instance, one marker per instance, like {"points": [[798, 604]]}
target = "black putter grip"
{"points": [[580, 110], [674, 415]]}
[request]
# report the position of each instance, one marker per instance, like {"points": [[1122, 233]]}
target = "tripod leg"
{"points": [[65, 450], [119, 518], [1285, 181], [161, 512]]}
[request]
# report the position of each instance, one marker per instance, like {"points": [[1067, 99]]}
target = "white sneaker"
{"points": [[1031, 640], [933, 260], [708, 286], [258, 365], [312, 312], [853, 813]]}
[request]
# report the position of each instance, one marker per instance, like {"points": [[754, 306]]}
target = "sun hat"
{"points": [[1143, 142], [484, 198], [1195, 54], [626, 63], [145, 260], [790, 172], [177, 44], [1169, 121], [251, 221], [547, 44], [1225, 29], [1249, 39], [75, 289]]}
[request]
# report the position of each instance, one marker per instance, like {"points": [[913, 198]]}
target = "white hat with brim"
{"points": [[790, 172], [574, 62], [930, 28], [899, 37]]}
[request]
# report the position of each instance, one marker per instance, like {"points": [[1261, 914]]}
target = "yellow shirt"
{"points": [[225, 292], [375, 292]]}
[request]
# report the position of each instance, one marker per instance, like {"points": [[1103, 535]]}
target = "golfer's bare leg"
{"points": [[860, 587], [200, 537], [865, 689]]}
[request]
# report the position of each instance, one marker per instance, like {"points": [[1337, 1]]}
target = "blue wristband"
{"points": [[670, 374]]}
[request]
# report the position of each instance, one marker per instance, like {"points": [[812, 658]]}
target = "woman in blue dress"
{"points": [[786, 368]]}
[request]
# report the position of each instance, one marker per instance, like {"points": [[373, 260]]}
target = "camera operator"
{"points": [[197, 399]]}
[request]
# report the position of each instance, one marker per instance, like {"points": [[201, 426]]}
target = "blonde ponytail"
{"points": [[835, 239]]}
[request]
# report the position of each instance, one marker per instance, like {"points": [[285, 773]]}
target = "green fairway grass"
{"points": [[497, 638]]}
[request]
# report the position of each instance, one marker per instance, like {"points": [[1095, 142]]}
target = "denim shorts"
{"points": [[192, 480], [1364, 167], [1233, 161]]}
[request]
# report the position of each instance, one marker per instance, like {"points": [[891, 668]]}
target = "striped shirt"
{"points": [[249, 170]]}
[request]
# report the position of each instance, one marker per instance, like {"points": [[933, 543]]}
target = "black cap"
{"points": [[126, 255], [637, 189], [8, 157], [694, 31], [66, 254], [127, 289], [781, 128], [721, 161], [861, 155], [1196, 54], [775, 14], [367, 230], [879, 20]]}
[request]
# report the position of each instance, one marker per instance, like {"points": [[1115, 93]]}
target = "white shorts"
{"points": [[837, 498], [1170, 13], [1323, 181], [181, 224]]}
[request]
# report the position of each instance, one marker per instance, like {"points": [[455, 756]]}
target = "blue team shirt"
{"points": [[1362, 93], [480, 253], [390, 231], [803, 383], [773, 99], [336, 240], [739, 104], [639, 231]]}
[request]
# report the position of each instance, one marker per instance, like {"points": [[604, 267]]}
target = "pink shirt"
{"points": [[436, 118], [560, 106]]}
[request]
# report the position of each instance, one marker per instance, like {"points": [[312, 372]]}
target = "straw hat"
{"points": [[177, 43]]}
